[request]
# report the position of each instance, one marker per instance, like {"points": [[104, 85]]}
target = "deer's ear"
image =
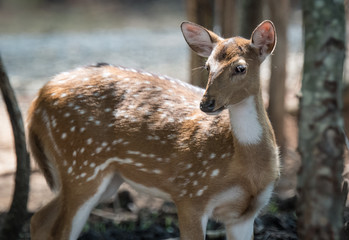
{"points": [[264, 39], [200, 40]]}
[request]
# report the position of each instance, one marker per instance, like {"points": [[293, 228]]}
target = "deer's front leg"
{"points": [[240, 231], [192, 222]]}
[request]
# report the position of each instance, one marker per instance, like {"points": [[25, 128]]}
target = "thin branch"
{"points": [[18, 213]]}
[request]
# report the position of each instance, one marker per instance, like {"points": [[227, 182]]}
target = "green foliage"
{"points": [[273, 207]]}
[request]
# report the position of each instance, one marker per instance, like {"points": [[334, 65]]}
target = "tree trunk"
{"points": [[320, 123], [251, 16], [200, 12], [226, 17], [279, 11], [18, 214]]}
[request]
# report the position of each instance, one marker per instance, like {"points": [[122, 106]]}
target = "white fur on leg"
{"points": [[84, 211], [241, 231]]}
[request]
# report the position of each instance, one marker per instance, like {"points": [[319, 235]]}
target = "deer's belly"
{"points": [[155, 192]]}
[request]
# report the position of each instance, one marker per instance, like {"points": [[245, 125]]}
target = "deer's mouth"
{"points": [[216, 111], [209, 106]]}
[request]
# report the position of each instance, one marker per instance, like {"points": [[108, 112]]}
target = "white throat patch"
{"points": [[244, 121]]}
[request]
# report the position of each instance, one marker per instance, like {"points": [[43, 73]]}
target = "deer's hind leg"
{"points": [[42, 221], [74, 208]]}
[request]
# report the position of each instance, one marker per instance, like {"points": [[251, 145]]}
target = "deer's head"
{"points": [[233, 64]]}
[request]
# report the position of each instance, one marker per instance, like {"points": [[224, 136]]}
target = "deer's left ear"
{"points": [[264, 38]]}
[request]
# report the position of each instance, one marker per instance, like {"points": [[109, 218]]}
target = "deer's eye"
{"points": [[240, 69], [207, 67]]}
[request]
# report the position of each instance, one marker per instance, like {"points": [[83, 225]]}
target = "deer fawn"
{"points": [[96, 127]]}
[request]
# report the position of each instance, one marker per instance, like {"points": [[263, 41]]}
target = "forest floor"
{"points": [[34, 50]]}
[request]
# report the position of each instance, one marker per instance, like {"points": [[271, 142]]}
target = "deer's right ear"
{"points": [[199, 38]]}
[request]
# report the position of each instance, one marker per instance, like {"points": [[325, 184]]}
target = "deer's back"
{"points": [[129, 117]]}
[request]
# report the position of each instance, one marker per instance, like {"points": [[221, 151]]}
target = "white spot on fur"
{"points": [[133, 152], [54, 123], [89, 141], [183, 192], [106, 74], [117, 141], [98, 150], [200, 192], [64, 136], [215, 173]]}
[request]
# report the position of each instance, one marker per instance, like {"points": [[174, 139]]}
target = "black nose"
{"points": [[207, 105]]}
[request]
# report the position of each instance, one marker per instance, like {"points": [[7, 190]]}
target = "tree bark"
{"points": [[226, 17], [18, 213], [251, 16], [279, 11], [320, 123], [200, 12]]}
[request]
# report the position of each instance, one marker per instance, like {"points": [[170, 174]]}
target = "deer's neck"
{"points": [[254, 142], [249, 122]]}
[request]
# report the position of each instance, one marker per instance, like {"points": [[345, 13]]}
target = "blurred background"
{"points": [[41, 38]]}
